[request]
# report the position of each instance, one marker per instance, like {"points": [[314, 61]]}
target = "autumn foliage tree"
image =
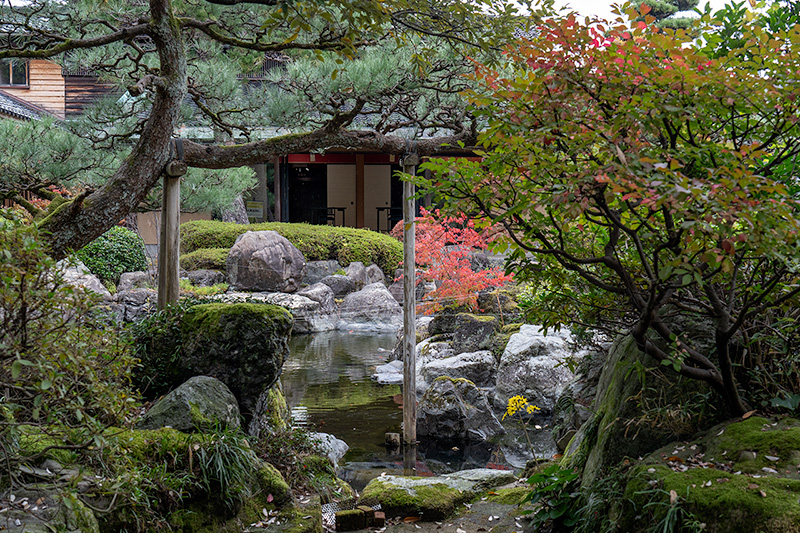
{"points": [[646, 185], [443, 246]]}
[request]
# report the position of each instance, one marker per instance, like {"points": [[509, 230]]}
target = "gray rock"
{"points": [[358, 273], [389, 374], [135, 280], [76, 274], [396, 289], [339, 284], [532, 366], [371, 309], [444, 321], [199, 404], [322, 294], [375, 274], [456, 410], [135, 304], [205, 277], [333, 448], [477, 367], [265, 261], [316, 270], [473, 332], [45, 512]]}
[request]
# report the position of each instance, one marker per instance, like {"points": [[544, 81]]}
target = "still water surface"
{"points": [[328, 385]]}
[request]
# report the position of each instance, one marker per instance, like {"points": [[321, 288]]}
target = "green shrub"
{"points": [[116, 251], [157, 341], [61, 367], [205, 259], [317, 243]]}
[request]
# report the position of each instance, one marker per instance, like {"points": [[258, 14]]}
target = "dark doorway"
{"points": [[308, 192]]}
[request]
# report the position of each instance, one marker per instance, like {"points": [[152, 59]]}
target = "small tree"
{"points": [[647, 183], [443, 248]]}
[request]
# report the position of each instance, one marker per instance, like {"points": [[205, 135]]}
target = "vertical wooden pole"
{"points": [[409, 309], [168, 249]]}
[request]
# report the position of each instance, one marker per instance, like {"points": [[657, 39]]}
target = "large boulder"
{"points": [[200, 404], [243, 345], [621, 427], [533, 365], [373, 308], [456, 410], [477, 367], [265, 261], [473, 332]]}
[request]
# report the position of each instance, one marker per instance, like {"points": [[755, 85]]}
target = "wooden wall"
{"points": [[46, 87], [83, 91]]}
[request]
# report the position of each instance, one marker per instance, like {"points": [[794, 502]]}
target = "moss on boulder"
{"points": [[243, 345], [736, 476], [628, 384], [431, 498]]}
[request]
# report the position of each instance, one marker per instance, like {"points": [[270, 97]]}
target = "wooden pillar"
{"points": [[409, 309], [276, 182], [359, 190], [169, 245]]}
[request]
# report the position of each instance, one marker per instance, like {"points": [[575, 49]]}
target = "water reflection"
{"points": [[327, 382]]}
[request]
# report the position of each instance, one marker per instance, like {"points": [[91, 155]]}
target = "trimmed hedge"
{"points": [[317, 243], [205, 259], [116, 251]]}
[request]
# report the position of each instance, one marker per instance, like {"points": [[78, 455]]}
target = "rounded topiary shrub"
{"points": [[116, 251]]}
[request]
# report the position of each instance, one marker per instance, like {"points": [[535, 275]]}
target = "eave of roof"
{"points": [[18, 108]]}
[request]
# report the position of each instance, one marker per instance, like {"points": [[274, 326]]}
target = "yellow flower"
{"points": [[518, 403]]}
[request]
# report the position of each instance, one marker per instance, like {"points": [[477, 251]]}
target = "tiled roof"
{"points": [[18, 108]]}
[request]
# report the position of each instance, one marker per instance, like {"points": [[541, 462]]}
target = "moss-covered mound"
{"points": [[317, 243], [739, 477], [205, 259]]}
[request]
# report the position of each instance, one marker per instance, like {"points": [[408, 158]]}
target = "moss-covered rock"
{"points": [[33, 440], [714, 481], [431, 498], [242, 345], [632, 390], [317, 243], [429, 501]]}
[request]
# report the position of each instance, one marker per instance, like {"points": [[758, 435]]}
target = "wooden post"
{"points": [[168, 248], [409, 308]]}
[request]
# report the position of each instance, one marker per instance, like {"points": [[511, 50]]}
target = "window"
{"points": [[13, 72]]}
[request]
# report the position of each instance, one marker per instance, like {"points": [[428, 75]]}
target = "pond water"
{"points": [[328, 385]]}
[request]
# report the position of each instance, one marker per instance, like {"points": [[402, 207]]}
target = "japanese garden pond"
{"points": [[327, 383]]}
